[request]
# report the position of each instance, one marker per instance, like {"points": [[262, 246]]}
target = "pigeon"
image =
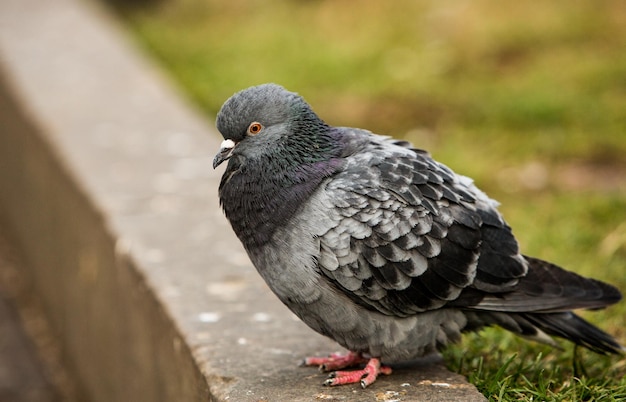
{"points": [[376, 245]]}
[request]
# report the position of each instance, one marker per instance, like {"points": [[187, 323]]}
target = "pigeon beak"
{"points": [[226, 150]]}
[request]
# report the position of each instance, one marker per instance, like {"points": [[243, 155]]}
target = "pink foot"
{"points": [[365, 376], [336, 361]]}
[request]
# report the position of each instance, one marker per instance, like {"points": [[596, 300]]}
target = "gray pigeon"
{"points": [[374, 244]]}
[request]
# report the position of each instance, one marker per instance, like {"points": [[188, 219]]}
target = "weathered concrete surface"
{"points": [[30, 369], [21, 377], [106, 183]]}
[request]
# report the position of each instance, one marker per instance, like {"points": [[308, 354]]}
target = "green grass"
{"points": [[528, 98]]}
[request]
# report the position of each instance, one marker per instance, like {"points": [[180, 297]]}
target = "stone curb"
{"points": [[108, 190]]}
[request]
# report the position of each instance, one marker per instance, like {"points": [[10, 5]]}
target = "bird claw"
{"points": [[364, 377]]}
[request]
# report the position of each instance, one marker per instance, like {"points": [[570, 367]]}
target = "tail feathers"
{"points": [[541, 326], [546, 288], [539, 306], [570, 326], [564, 290]]}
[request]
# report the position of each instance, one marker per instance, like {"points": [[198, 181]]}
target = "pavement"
{"points": [[109, 195]]}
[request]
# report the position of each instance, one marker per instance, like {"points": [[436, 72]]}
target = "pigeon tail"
{"points": [[546, 288], [540, 305], [572, 327]]}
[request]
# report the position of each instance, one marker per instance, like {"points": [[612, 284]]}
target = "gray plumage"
{"points": [[376, 245]]}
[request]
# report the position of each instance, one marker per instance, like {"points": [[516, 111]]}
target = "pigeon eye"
{"points": [[254, 128]]}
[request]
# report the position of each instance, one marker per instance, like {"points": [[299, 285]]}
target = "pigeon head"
{"points": [[278, 152], [260, 116]]}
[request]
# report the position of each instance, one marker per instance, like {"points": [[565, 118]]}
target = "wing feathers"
{"points": [[417, 242], [412, 236]]}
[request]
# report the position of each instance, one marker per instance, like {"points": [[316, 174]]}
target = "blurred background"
{"points": [[528, 98]]}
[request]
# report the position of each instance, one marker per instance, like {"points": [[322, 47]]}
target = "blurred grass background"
{"points": [[528, 98]]}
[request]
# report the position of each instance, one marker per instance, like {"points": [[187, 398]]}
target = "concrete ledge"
{"points": [[107, 187]]}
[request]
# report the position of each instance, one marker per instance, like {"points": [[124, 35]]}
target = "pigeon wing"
{"points": [[409, 234]]}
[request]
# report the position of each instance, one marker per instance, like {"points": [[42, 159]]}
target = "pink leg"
{"points": [[365, 376], [335, 361]]}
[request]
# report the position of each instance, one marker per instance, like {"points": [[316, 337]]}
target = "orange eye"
{"points": [[254, 128]]}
